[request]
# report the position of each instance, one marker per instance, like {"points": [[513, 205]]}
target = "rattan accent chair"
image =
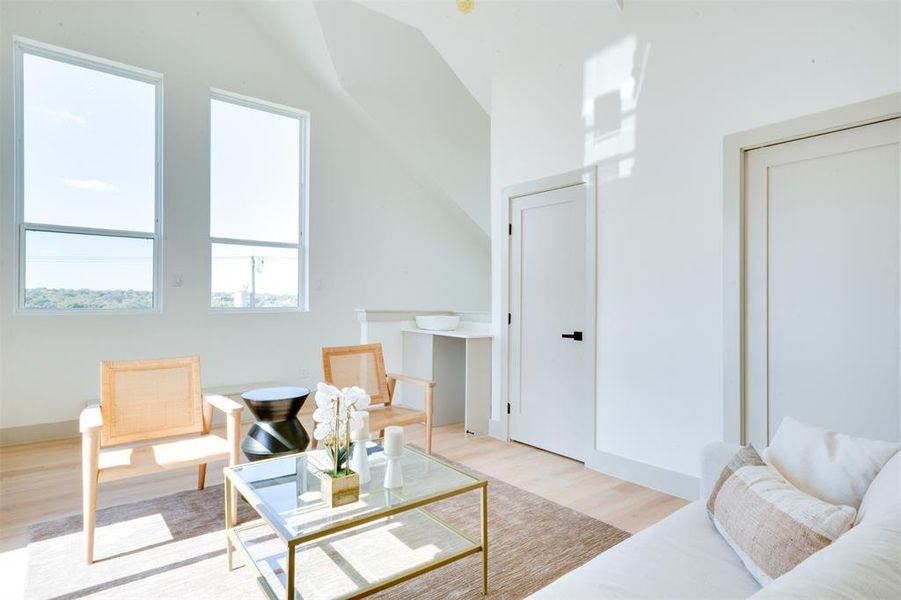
{"points": [[153, 416], [364, 366]]}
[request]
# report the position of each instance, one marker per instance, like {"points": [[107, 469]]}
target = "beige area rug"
{"points": [[174, 547]]}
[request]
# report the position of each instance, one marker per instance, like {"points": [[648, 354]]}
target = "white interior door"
{"points": [[551, 330], [822, 283]]}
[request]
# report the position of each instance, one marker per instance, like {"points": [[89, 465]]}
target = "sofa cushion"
{"points": [[682, 556], [882, 503], [771, 525], [834, 467], [863, 564]]}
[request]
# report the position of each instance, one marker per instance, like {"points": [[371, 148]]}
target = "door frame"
{"points": [[589, 177], [735, 149]]}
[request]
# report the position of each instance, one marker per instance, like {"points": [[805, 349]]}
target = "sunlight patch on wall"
{"points": [[612, 81]]}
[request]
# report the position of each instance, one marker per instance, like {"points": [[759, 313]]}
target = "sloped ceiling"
{"points": [[418, 73], [398, 78], [497, 34], [392, 77]]}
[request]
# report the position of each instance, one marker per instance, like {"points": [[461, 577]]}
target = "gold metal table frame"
{"points": [[233, 486]]}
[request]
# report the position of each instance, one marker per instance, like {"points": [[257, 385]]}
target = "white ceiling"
{"points": [[423, 111], [392, 78], [418, 73], [497, 34]]}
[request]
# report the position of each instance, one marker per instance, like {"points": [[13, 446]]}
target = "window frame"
{"points": [[302, 245], [23, 46]]}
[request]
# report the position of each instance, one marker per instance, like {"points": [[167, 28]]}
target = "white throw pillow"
{"points": [[834, 467], [865, 562], [771, 525], [882, 503]]}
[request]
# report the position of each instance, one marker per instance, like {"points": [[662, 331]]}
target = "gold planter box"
{"points": [[338, 491]]}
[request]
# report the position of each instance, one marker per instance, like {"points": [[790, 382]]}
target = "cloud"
{"points": [[63, 114], [91, 185]]}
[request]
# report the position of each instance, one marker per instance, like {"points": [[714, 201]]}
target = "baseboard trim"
{"points": [[42, 432], [497, 429], [663, 480], [48, 432]]}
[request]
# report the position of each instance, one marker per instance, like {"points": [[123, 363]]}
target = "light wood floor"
{"points": [[41, 481], [625, 505]]}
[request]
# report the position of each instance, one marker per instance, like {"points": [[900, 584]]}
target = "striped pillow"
{"points": [[770, 524]]}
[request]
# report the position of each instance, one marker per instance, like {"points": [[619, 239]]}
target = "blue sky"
{"points": [[89, 149]]}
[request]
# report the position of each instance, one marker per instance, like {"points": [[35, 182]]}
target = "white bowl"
{"points": [[438, 322]]}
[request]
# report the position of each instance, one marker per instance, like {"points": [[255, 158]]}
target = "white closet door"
{"points": [[551, 337], [822, 283]]}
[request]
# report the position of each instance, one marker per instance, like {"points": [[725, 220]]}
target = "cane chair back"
{"points": [[363, 366], [149, 399]]}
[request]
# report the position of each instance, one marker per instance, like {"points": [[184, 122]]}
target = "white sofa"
{"points": [[683, 556]]}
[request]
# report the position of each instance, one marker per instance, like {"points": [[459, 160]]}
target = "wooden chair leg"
{"points": [[90, 454], [429, 404], [233, 431], [201, 476]]}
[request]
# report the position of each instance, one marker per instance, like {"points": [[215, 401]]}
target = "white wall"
{"points": [[416, 101], [649, 94], [398, 85], [377, 238]]}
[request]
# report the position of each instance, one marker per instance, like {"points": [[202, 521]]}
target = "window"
{"points": [[258, 158], [88, 173]]}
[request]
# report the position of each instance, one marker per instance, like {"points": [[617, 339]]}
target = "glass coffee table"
{"points": [[299, 547]]}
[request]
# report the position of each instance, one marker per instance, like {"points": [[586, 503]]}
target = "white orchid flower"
{"points": [[356, 397], [322, 431], [337, 415], [327, 388], [323, 415], [326, 394]]}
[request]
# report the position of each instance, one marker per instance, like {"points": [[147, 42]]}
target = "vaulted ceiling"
{"points": [[418, 74], [497, 34]]}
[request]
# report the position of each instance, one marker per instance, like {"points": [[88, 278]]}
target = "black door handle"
{"points": [[575, 335]]}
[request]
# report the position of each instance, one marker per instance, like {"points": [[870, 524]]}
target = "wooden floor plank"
{"points": [[42, 481]]}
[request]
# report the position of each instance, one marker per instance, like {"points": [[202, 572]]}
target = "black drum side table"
{"points": [[277, 430]]}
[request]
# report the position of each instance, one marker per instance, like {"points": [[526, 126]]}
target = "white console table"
{"points": [[460, 363]]}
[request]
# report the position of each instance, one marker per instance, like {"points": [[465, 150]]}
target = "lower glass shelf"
{"points": [[355, 561]]}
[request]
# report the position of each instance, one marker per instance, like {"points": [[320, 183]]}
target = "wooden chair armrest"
{"points": [[232, 411], [223, 403], [91, 419], [408, 379]]}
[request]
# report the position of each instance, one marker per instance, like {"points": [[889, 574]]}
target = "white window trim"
{"points": [[24, 46], [302, 246]]}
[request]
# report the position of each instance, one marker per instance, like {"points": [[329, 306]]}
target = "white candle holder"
{"points": [[359, 461], [394, 475]]}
